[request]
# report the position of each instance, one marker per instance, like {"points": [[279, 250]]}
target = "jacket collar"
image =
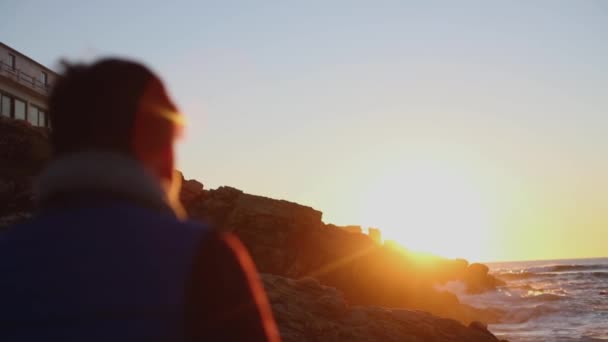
{"points": [[85, 175]]}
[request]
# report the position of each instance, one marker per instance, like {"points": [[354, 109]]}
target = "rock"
{"points": [[352, 229], [479, 270], [478, 279], [227, 193], [213, 206], [191, 191], [480, 326], [308, 311], [270, 229], [375, 234]]}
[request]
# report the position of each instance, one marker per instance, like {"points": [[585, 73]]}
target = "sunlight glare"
{"points": [[430, 206]]}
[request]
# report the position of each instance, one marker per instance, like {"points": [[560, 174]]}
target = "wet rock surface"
{"points": [[308, 311]]}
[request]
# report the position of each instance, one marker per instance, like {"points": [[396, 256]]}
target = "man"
{"points": [[109, 257]]}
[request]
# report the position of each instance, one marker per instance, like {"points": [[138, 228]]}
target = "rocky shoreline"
{"points": [[308, 311], [324, 282]]}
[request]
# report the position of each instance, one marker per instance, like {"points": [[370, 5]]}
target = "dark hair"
{"points": [[99, 106]]}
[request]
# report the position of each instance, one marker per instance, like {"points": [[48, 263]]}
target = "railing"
{"points": [[24, 78]]}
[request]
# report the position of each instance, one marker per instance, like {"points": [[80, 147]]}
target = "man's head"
{"points": [[117, 106]]}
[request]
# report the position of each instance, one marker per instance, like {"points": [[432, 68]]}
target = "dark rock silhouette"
{"points": [[191, 190], [478, 280], [308, 311], [351, 229], [291, 240]]}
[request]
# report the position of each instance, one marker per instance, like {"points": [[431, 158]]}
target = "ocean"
{"points": [[550, 300]]}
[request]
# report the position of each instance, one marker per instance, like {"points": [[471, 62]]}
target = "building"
{"points": [[24, 87]]}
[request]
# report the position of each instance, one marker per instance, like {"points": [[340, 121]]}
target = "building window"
{"points": [[44, 78], [6, 105], [32, 116], [11, 61], [41, 118], [19, 110], [36, 116]]}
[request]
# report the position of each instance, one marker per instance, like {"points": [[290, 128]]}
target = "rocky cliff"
{"points": [[291, 240]]}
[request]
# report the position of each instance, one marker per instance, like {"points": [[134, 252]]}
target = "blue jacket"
{"points": [[105, 266], [96, 273]]}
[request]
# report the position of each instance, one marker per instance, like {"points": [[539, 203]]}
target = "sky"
{"points": [[473, 129]]}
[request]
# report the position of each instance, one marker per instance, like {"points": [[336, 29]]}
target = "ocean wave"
{"points": [[553, 271], [527, 275], [544, 297], [554, 295], [524, 287], [519, 302], [523, 315], [522, 275], [603, 275], [567, 268]]}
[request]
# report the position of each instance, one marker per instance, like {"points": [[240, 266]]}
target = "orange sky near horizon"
{"points": [[439, 200]]}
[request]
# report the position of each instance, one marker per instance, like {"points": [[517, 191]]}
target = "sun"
{"points": [[430, 206]]}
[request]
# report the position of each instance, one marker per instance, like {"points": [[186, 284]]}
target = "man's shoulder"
{"points": [[107, 217], [131, 234]]}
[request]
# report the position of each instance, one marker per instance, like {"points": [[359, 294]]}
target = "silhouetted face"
{"points": [[157, 124]]}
